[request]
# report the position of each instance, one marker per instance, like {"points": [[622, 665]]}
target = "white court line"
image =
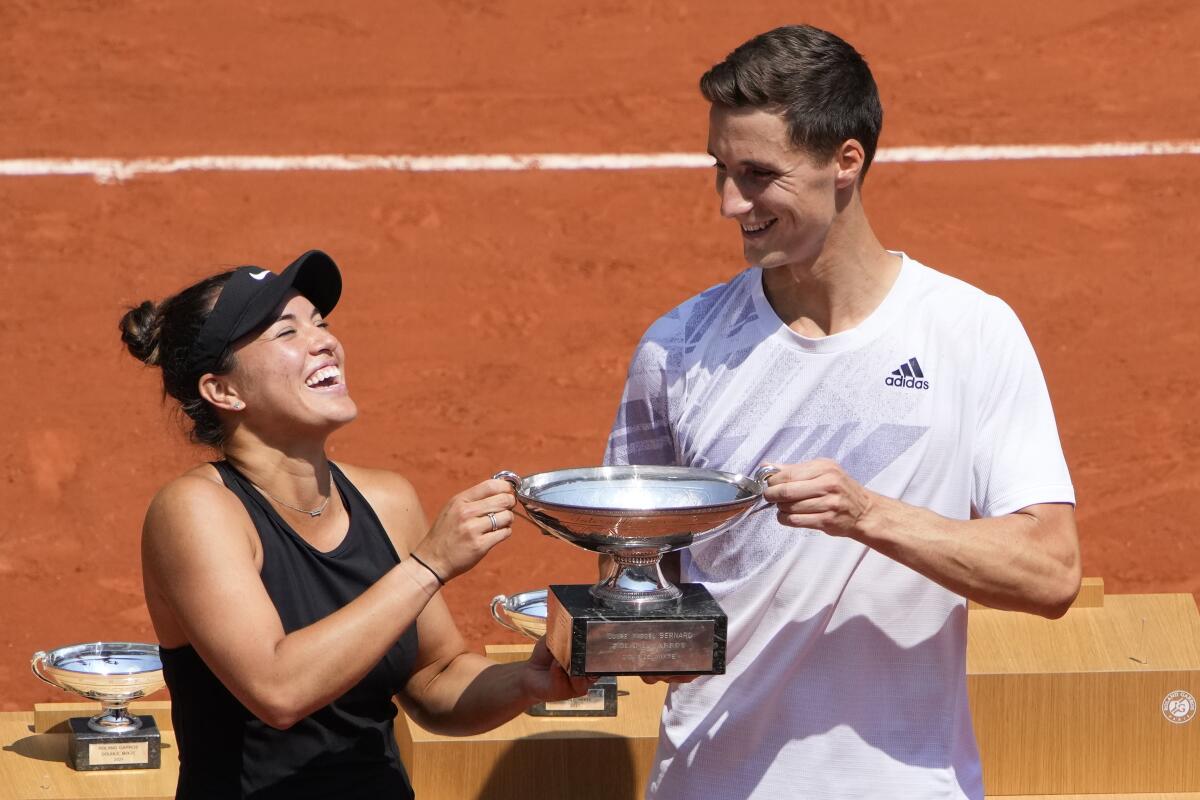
{"points": [[110, 170]]}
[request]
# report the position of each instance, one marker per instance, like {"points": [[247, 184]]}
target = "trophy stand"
{"points": [[634, 621], [116, 674], [686, 638]]}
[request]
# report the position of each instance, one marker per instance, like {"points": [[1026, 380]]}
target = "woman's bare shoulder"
{"points": [[392, 497], [195, 502], [388, 486], [200, 484]]}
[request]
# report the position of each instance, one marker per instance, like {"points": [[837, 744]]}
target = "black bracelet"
{"points": [[417, 559]]}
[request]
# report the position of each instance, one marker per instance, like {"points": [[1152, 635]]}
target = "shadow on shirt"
{"points": [[855, 681]]}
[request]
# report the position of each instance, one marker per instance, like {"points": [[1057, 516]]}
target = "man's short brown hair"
{"points": [[815, 80]]}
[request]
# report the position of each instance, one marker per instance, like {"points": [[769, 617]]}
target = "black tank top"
{"points": [[346, 749]]}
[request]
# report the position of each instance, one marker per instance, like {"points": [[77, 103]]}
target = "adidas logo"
{"points": [[909, 376]]}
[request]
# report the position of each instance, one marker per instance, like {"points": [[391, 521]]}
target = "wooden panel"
{"points": [[1069, 705], [508, 653], [1075, 705], [1131, 633], [1091, 594], [577, 757], [1084, 733], [1127, 796], [33, 765], [639, 708], [584, 767]]}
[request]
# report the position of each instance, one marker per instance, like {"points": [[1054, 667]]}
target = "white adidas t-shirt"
{"points": [[846, 671]]}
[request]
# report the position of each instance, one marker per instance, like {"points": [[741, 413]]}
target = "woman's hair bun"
{"points": [[141, 330]]}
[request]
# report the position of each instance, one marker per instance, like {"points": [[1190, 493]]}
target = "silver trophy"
{"points": [[115, 674], [634, 621], [523, 613]]}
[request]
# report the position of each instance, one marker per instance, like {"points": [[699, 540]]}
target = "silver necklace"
{"points": [[316, 512]]}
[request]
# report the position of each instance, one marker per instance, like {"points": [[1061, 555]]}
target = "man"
{"points": [[920, 461]]}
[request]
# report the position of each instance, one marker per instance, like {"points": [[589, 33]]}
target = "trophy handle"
{"points": [[513, 479], [765, 471], [760, 475], [38, 658], [498, 601]]}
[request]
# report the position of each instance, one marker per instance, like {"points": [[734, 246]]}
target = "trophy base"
{"points": [[600, 701], [89, 750], [686, 637]]}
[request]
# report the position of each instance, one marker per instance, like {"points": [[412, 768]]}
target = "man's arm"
{"points": [[1024, 561]]}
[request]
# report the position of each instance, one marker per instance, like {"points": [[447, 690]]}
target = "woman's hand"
{"points": [[545, 679], [471, 524]]}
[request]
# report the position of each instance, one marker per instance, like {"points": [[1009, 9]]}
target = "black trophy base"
{"points": [[88, 750], [590, 638], [600, 701]]}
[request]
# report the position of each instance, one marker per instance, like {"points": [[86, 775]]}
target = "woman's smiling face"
{"points": [[294, 369]]}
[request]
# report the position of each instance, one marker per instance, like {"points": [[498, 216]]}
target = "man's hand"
{"points": [[1027, 560], [820, 495]]}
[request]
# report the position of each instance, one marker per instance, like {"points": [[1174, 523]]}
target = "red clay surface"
{"points": [[489, 318]]}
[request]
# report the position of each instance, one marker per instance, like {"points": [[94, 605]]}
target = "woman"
{"points": [[294, 597]]}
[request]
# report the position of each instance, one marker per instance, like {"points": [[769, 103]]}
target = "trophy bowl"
{"points": [[523, 613], [634, 621], [114, 673], [635, 514]]}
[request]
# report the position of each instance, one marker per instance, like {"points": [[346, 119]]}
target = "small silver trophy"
{"points": [[116, 674], [634, 621], [525, 613]]}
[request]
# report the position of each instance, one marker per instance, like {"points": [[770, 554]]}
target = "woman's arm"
{"points": [[458, 693], [198, 553], [454, 691]]}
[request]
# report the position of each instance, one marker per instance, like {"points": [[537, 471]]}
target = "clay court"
{"points": [[489, 316]]}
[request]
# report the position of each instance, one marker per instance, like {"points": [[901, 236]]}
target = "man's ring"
{"points": [[495, 525]]}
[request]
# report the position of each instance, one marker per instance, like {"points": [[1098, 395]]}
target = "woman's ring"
{"points": [[495, 525]]}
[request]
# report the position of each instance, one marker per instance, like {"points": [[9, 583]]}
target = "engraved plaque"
{"points": [[650, 646], [590, 639], [600, 701], [108, 754], [594, 700]]}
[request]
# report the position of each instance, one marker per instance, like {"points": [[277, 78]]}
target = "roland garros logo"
{"points": [[1179, 707]]}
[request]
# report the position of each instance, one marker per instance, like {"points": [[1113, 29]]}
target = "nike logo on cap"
{"points": [[258, 276]]}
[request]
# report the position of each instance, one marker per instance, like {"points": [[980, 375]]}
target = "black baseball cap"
{"points": [[252, 294]]}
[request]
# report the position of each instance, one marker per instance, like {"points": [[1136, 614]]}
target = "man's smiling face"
{"points": [[782, 197]]}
